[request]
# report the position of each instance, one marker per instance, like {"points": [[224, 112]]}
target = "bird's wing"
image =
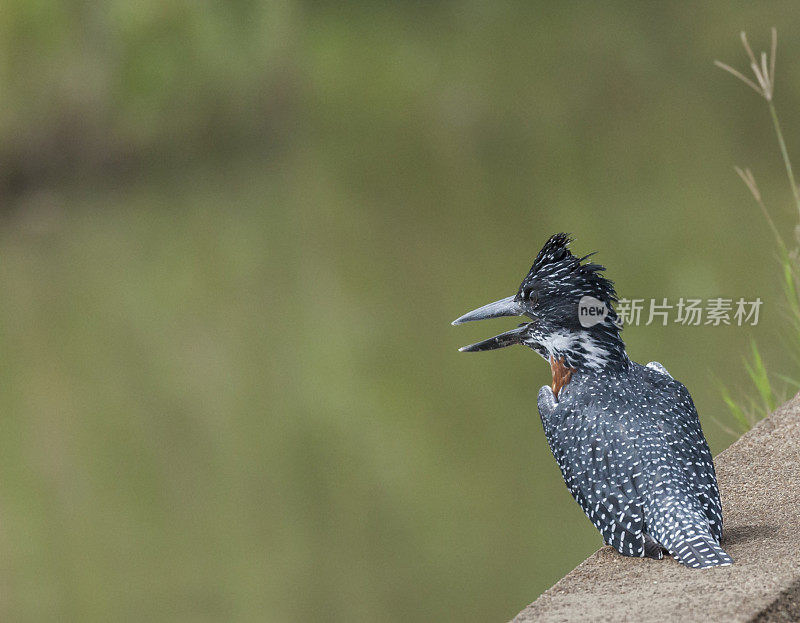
{"points": [[601, 466], [685, 438], [656, 366]]}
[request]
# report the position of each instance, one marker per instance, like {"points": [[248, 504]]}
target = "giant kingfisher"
{"points": [[626, 436]]}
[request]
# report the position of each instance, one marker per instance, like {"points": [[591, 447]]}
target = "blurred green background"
{"points": [[234, 235]]}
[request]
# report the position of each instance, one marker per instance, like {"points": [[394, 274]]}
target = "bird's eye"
{"points": [[532, 296]]}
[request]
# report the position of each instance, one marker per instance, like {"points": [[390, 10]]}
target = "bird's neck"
{"points": [[585, 351]]}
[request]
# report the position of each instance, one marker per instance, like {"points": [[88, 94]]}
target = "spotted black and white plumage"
{"points": [[626, 437]]}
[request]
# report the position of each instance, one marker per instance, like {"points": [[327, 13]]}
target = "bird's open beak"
{"points": [[504, 307], [509, 338]]}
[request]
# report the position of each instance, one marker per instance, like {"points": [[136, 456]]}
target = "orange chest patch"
{"points": [[562, 375]]}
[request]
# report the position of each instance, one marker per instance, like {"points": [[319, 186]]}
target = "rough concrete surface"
{"points": [[759, 479]]}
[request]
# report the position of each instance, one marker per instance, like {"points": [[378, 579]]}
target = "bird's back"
{"points": [[633, 455]]}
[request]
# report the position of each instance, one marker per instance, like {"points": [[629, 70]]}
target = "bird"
{"points": [[626, 436]]}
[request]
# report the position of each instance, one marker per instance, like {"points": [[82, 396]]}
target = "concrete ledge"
{"points": [[759, 478]]}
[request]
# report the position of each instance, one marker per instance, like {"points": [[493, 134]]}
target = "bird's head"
{"points": [[570, 306]]}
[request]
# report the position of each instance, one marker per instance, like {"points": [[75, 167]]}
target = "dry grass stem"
{"points": [[764, 72], [750, 182]]}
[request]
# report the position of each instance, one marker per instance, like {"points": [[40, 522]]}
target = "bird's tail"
{"points": [[699, 551], [678, 522]]}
